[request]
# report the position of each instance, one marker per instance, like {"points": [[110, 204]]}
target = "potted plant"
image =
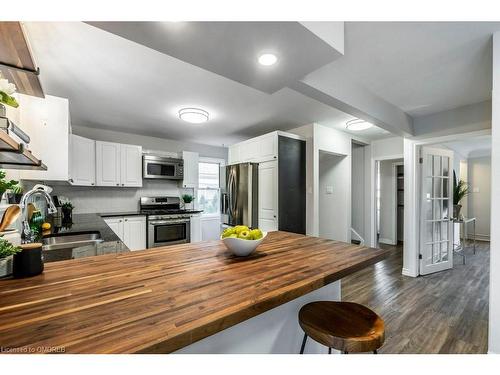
{"points": [[15, 195], [188, 200], [5, 184], [460, 190], [7, 251]]}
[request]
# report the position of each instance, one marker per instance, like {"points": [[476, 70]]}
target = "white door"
{"points": [[131, 165], [116, 225], [436, 242], [268, 196], [82, 163], [134, 232], [107, 163]]}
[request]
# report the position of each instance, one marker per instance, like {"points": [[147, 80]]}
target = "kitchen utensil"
{"points": [[240, 247], [31, 208], [9, 216]]}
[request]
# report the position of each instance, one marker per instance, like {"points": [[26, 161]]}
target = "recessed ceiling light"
{"points": [[267, 59], [193, 115], [357, 125]]}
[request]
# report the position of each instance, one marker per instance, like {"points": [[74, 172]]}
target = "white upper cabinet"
{"points": [[107, 163], [46, 121], [191, 160], [118, 164], [255, 150], [82, 161], [131, 165]]}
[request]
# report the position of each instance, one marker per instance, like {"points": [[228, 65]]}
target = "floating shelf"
{"points": [[13, 155], [16, 60]]}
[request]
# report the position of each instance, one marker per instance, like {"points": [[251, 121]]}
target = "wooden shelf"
{"points": [[14, 155], [16, 60]]}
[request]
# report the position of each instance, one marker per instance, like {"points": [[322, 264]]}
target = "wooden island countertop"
{"points": [[160, 300]]}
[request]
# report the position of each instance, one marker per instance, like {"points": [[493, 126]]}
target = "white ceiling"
{"points": [[421, 67], [472, 147], [118, 84]]}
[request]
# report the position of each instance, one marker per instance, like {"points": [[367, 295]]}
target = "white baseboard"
{"points": [[387, 241], [481, 237], [407, 272]]}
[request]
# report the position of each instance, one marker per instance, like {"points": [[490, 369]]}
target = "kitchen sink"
{"points": [[71, 240]]}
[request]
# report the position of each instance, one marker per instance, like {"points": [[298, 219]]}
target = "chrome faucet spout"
{"points": [[38, 189]]}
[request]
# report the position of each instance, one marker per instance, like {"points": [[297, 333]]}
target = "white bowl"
{"points": [[240, 247]]}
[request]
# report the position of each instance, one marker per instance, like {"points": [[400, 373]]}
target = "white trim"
{"points": [[206, 159], [407, 272], [387, 241], [395, 197]]}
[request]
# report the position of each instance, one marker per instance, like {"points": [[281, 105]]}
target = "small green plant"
{"points": [[6, 185], [460, 189], [7, 249], [67, 206], [187, 198], [17, 189], [6, 90]]}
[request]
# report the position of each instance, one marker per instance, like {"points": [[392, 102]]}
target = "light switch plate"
{"points": [[475, 190], [329, 190]]}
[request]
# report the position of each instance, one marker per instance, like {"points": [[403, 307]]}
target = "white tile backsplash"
{"points": [[108, 199]]}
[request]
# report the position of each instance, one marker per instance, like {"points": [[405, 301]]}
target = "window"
{"points": [[208, 187]]}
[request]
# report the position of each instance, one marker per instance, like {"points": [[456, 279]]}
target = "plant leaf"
{"points": [[9, 100]]}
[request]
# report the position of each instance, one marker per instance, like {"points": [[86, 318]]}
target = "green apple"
{"points": [[256, 234], [240, 228], [227, 232], [232, 235], [244, 235]]}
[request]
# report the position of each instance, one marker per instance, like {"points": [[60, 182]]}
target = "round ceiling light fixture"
{"points": [[193, 115], [357, 125], [268, 59]]}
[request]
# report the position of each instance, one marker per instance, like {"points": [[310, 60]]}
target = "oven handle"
{"points": [[154, 223]]}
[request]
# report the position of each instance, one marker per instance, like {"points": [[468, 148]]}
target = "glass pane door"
{"points": [[436, 247]]}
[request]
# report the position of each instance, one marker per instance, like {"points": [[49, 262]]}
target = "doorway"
{"points": [[333, 197], [389, 201]]}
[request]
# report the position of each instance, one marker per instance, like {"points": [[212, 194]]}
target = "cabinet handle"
{"points": [[92, 184], [123, 184], [119, 221], [126, 219], [117, 184], [70, 180]]}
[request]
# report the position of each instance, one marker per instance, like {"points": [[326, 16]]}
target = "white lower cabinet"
{"points": [[130, 229], [196, 233], [268, 196]]}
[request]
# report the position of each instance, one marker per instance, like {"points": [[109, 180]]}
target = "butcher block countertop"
{"points": [[162, 299]]}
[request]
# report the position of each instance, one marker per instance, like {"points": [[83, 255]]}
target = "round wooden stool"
{"points": [[345, 326]]}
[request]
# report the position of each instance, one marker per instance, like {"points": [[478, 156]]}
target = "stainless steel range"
{"points": [[167, 223]]}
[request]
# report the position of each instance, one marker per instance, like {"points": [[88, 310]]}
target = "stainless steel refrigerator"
{"points": [[240, 195]]}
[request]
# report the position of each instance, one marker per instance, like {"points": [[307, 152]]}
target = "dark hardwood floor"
{"points": [[446, 312]]}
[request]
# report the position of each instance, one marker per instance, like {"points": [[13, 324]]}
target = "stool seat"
{"points": [[345, 326]]}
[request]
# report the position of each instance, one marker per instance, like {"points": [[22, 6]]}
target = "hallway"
{"points": [[446, 312]]}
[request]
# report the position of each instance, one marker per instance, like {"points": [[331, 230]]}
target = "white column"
{"points": [[494, 320]]}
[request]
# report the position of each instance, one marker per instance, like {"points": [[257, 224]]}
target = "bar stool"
{"points": [[345, 326]]}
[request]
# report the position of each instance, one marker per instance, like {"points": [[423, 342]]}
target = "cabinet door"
{"points": [[190, 169], [134, 232], [107, 163], [268, 196], [249, 151], [268, 147], [82, 161], [116, 225], [196, 228], [131, 165]]}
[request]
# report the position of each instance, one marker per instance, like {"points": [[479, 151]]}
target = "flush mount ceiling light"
{"points": [[267, 59], [357, 125], [193, 115]]}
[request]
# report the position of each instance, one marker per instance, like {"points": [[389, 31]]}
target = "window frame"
{"points": [[209, 160]]}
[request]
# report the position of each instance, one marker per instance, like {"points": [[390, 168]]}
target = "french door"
{"points": [[436, 228]]}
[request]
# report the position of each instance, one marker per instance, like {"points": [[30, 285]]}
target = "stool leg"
{"points": [[375, 351], [329, 350], [303, 343], [346, 352]]}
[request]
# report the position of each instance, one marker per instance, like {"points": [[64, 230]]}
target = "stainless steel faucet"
{"points": [[38, 189]]}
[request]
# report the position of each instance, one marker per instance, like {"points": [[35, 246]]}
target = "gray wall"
{"points": [[150, 143], [479, 203], [358, 189]]}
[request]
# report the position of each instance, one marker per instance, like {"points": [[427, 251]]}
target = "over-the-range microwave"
{"points": [[162, 167]]}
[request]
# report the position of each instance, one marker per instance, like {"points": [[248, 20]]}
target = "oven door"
{"points": [[168, 232]]}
